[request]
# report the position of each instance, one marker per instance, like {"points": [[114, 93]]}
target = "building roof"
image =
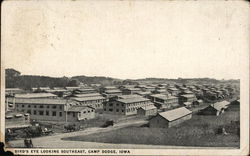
{"points": [[188, 95], [13, 89], [187, 103], [150, 107], [110, 87], [113, 91], [133, 100], [129, 96], [35, 95], [87, 95], [220, 105], [143, 93], [175, 113], [133, 89], [173, 89], [88, 98], [163, 96], [78, 108], [41, 101]]}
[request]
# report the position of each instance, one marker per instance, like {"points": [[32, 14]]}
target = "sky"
{"points": [[126, 39]]}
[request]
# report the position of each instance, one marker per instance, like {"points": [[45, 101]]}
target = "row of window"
{"points": [[111, 110], [40, 106], [93, 101], [47, 113]]}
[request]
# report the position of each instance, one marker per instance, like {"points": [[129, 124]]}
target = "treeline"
{"points": [[14, 79]]}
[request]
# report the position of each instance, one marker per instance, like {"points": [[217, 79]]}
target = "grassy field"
{"points": [[199, 131]]}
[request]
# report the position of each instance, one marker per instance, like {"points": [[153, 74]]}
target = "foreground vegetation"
{"points": [[198, 131]]}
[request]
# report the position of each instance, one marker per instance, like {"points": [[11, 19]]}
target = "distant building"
{"points": [[13, 91], [128, 91], [92, 101], [147, 110], [170, 118], [198, 102], [84, 91], [72, 88], [144, 94], [127, 106], [187, 98], [164, 101], [113, 92], [216, 108], [173, 91]]}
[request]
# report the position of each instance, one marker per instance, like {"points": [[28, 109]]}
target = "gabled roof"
{"points": [[173, 89], [187, 103], [132, 100], [129, 96], [150, 107], [41, 101], [188, 95], [35, 95], [220, 105], [87, 95], [133, 89], [80, 99], [163, 96], [175, 113], [113, 91], [143, 93]]}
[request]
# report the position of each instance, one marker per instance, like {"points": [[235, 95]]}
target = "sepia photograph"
{"points": [[125, 77]]}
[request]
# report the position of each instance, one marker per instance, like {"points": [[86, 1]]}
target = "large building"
{"points": [[126, 106], [173, 91], [187, 98], [164, 101], [92, 101], [53, 110], [170, 118]]}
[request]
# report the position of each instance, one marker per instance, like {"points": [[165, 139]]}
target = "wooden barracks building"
{"points": [[54, 109], [126, 106]]}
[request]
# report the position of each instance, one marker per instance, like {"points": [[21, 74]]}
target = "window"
{"points": [[122, 110], [28, 111], [47, 106], [54, 106], [29, 106], [117, 104], [122, 105], [41, 106], [22, 105], [40, 112], [117, 110], [60, 113], [53, 113], [74, 114], [104, 109], [47, 113], [34, 106], [110, 110], [111, 104], [60, 107], [34, 112], [88, 111], [92, 110]]}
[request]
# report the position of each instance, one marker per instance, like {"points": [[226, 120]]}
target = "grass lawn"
{"points": [[199, 131]]}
